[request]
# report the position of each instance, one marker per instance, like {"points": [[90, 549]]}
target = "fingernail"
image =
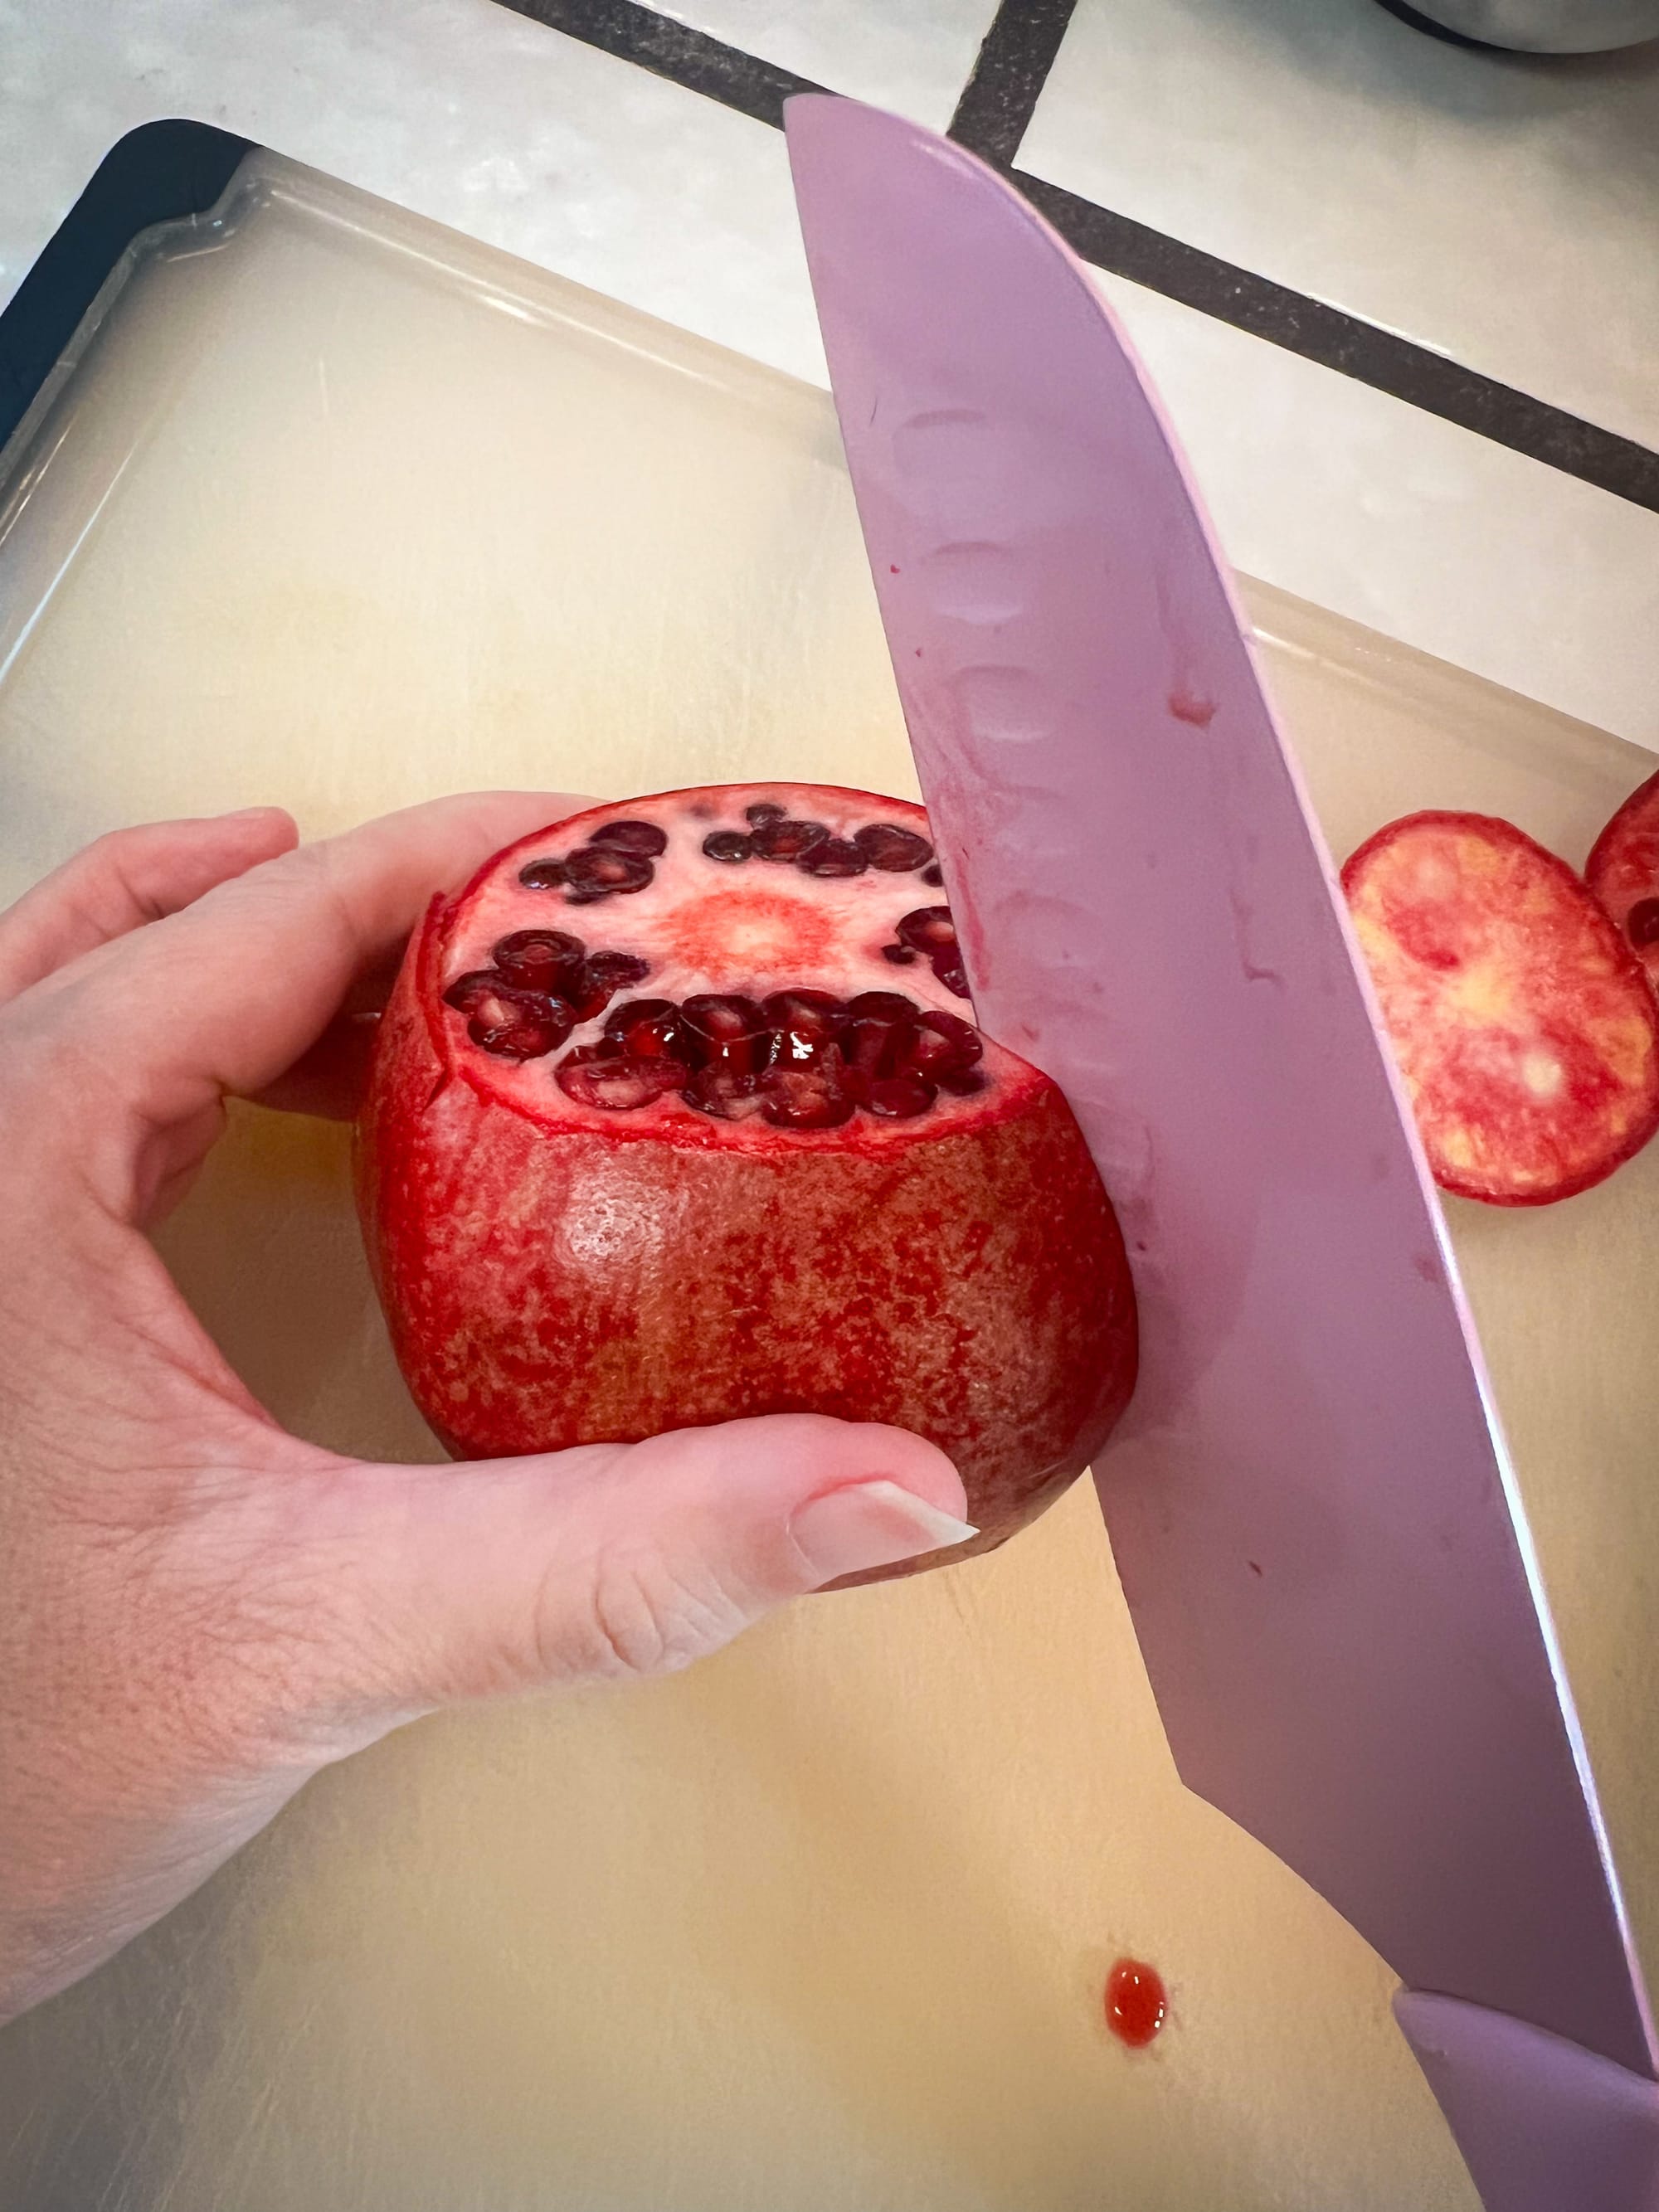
{"points": [[871, 1524]]}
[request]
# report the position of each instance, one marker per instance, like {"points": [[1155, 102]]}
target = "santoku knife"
{"points": [[1316, 1525]]}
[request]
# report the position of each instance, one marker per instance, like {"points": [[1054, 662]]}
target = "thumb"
{"points": [[613, 1560]]}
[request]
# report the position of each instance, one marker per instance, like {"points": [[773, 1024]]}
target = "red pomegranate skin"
{"points": [[552, 1281]]}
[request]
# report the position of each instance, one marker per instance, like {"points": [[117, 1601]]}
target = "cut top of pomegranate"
{"points": [[714, 966], [1523, 1028], [1622, 870]]}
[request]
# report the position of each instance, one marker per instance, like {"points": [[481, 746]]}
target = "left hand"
{"points": [[200, 1610]]}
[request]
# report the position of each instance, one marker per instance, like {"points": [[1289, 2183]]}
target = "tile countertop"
{"points": [[1496, 210]]}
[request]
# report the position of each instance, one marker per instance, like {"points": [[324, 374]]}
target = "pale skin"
{"points": [[198, 1611]]}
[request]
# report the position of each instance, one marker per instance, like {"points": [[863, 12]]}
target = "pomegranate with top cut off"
{"points": [[678, 1114]]}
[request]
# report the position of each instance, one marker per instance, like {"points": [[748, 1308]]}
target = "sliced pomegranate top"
{"points": [[1622, 870], [1524, 1029], [716, 964]]}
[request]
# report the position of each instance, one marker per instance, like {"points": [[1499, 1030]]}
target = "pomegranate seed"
{"points": [[783, 840], [540, 959], [964, 1083], [644, 838], [727, 1031], [599, 979], [810, 1098], [892, 849], [1642, 922], [900, 955], [504, 1018], [724, 1092], [834, 857], [598, 870], [648, 1029], [941, 1044], [930, 929], [614, 970], [801, 1022], [727, 845], [882, 1006], [874, 1049], [619, 1086], [948, 967], [763, 811], [465, 992], [935, 876], [899, 1097], [542, 875]]}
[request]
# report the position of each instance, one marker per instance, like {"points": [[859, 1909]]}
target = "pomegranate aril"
{"points": [[835, 856], [813, 1097], [724, 1092], [763, 811], [901, 955], [898, 1097], [644, 838], [874, 1048], [941, 1044], [465, 992], [540, 959], [648, 1027], [934, 875], [727, 845], [600, 978], [617, 1086], [725, 1030], [800, 1022], [542, 875], [964, 1083], [504, 1020], [930, 929], [783, 840], [882, 1006], [612, 969], [888, 847], [598, 870], [720, 1017], [948, 967], [1641, 923]]}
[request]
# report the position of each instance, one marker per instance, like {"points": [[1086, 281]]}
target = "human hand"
{"points": [[197, 1610]]}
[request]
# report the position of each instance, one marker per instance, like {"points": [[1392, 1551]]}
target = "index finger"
{"points": [[225, 995]]}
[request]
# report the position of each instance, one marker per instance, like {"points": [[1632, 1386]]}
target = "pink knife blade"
{"points": [[1313, 1515]]}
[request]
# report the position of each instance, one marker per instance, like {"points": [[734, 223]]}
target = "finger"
{"points": [[127, 878], [329, 1079], [617, 1560], [226, 995]]}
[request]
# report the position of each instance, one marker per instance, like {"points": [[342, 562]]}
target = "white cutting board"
{"points": [[341, 511]]}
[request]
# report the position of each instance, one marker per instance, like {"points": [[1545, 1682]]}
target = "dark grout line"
{"points": [[1000, 97], [1003, 92], [673, 51], [1360, 350]]}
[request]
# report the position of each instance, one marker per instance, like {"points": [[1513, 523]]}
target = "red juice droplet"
{"points": [[1137, 2003]]}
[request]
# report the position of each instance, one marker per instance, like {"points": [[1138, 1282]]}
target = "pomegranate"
{"points": [[1622, 870], [1524, 1029], [678, 1114]]}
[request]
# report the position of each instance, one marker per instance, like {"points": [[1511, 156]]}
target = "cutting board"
{"points": [[337, 509]]}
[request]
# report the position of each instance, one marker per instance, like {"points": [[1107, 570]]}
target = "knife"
{"points": [[1310, 1500]]}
